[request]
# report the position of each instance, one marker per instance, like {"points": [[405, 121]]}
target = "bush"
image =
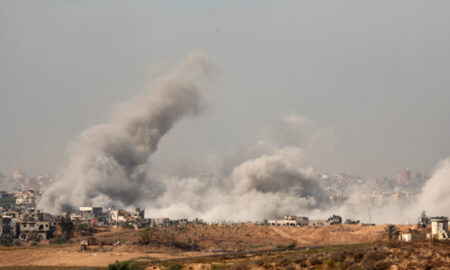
{"points": [[145, 237], [374, 259], [300, 260], [288, 247], [175, 267], [314, 260], [127, 225], [59, 240], [239, 266], [384, 265], [126, 265], [284, 262], [81, 227], [337, 256], [330, 263], [4, 241], [358, 255], [393, 244], [374, 255]]}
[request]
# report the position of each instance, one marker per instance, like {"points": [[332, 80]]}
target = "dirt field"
{"points": [[395, 255], [71, 256], [207, 238]]}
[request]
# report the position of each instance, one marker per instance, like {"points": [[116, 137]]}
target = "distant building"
{"points": [[291, 221], [5, 223], [412, 237], [334, 220], [439, 227], [94, 212], [26, 197], [119, 216], [43, 229], [156, 222], [5, 194]]}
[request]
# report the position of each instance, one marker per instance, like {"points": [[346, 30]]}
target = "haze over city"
{"points": [[370, 76], [170, 135]]}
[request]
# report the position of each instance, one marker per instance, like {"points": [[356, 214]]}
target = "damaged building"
{"points": [[291, 221]]}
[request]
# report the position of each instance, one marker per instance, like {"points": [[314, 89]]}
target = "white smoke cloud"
{"points": [[435, 197], [108, 162], [109, 165], [270, 185]]}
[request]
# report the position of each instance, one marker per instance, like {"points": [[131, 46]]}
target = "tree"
{"points": [[66, 227], [391, 231]]}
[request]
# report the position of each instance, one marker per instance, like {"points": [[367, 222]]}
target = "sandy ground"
{"points": [[71, 256], [250, 235]]}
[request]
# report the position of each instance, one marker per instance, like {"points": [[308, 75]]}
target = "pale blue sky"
{"points": [[375, 73]]}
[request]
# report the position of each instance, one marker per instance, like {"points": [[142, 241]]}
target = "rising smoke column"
{"points": [[435, 196], [108, 162]]}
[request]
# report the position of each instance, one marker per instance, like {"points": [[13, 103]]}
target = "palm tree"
{"points": [[391, 231]]}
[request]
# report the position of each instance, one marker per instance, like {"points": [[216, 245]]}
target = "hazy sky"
{"points": [[372, 75]]}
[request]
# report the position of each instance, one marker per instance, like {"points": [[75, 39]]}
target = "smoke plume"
{"points": [[272, 184], [435, 197], [108, 163], [109, 166]]}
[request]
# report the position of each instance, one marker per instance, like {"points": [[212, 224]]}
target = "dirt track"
{"points": [[70, 255]]}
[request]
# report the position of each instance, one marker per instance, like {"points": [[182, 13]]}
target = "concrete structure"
{"points": [[43, 229], [91, 211], [160, 222], [412, 237], [119, 216], [5, 195], [439, 228], [26, 197], [292, 221]]}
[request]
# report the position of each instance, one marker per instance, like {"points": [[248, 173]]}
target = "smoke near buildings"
{"points": [[267, 185], [108, 163], [109, 166]]}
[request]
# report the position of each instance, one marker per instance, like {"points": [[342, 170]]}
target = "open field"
{"points": [[378, 255], [187, 241]]}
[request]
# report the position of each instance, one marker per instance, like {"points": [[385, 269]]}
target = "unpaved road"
{"points": [[71, 256]]}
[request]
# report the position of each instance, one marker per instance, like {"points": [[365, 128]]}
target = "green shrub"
{"points": [[288, 247], [175, 267], [314, 260], [4, 241], [126, 265], [59, 240]]}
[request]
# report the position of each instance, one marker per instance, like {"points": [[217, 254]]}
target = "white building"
{"points": [[439, 227], [292, 221]]}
